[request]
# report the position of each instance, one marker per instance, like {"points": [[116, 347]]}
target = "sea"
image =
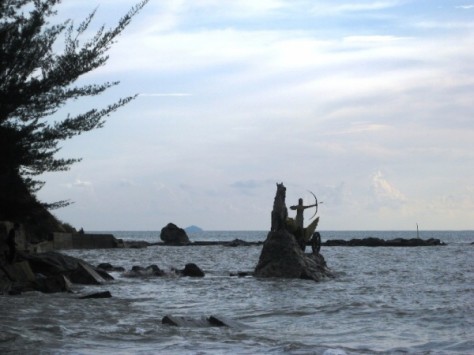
{"points": [[383, 300]]}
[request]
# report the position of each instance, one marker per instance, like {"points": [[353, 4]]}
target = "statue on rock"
{"points": [[283, 251], [300, 232]]}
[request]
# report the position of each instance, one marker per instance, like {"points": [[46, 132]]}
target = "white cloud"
{"points": [[372, 39], [384, 190], [81, 184], [348, 7], [465, 7]]}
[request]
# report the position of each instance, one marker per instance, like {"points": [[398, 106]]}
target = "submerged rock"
{"points": [[136, 244], [182, 321], [139, 271], [191, 270], [104, 294], [238, 243], [201, 322], [242, 274], [110, 267]]}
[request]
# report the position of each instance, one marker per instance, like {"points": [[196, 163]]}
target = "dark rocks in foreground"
{"points": [[190, 270], [377, 242], [149, 271], [48, 272]]}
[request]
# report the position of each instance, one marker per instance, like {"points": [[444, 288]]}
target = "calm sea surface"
{"points": [[384, 300]]}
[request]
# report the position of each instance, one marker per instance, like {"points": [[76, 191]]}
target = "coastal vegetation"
{"points": [[40, 64]]}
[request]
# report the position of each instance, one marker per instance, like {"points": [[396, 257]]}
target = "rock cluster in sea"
{"points": [[282, 255], [377, 242]]}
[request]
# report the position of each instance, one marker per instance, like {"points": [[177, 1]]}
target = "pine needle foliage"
{"points": [[36, 81]]}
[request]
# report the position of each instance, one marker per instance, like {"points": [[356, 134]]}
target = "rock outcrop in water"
{"points": [[282, 255], [190, 269], [377, 242], [173, 235]]}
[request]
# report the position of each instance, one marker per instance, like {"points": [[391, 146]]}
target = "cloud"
{"points": [[80, 184], [465, 7], [352, 7], [363, 127], [385, 191], [372, 39]]}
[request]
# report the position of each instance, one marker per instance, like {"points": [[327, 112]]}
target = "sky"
{"points": [[367, 104]]}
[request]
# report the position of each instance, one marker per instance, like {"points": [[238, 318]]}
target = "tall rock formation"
{"points": [[282, 255]]}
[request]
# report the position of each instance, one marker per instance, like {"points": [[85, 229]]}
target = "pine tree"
{"points": [[35, 82]]}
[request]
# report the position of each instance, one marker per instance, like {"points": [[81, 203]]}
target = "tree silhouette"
{"points": [[36, 80]]}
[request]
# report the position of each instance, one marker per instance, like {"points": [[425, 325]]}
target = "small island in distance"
{"points": [[193, 229]]}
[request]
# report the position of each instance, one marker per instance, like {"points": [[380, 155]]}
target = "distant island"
{"points": [[193, 229]]}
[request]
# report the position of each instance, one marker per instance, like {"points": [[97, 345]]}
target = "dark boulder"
{"points": [[192, 270], [173, 235]]}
